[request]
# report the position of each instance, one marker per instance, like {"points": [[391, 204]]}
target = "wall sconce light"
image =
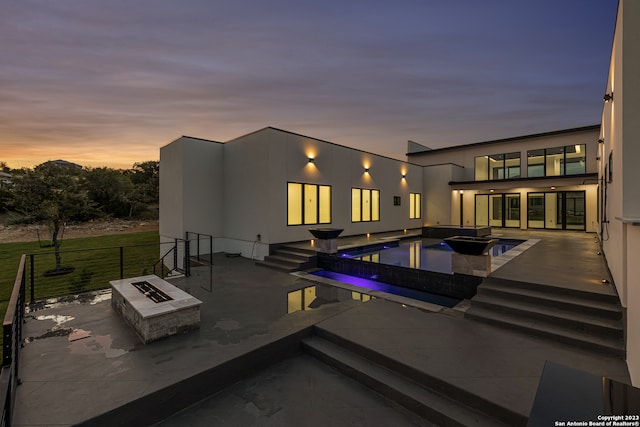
{"points": [[601, 141], [312, 160], [404, 176], [608, 97], [366, 170]]}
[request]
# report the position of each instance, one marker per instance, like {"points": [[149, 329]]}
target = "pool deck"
{"points": [[82, 363]]}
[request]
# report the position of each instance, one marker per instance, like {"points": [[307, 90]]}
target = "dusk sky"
{"points": [[108, 82]]}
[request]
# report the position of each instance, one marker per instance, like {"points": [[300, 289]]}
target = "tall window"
{"points": [[557, 161], [497, 166], [414, 205], [365, 205], [308, 204]]}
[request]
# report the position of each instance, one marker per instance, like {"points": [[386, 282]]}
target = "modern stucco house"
{"points": [[270, 186]]}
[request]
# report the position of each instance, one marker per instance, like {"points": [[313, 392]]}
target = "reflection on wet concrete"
{"points": [[95, 345], [312, 297]]}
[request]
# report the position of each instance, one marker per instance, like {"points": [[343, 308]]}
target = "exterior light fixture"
{"points": [[491, 191], [311, 160], [461, 191], [552, 187], [608, 97], [601, 141], [404, 176], [366, 170]]}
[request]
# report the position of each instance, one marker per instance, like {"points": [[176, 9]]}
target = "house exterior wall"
{"points": [[237, 191], [621, 133], [340, 167], [191, 189], [449, 171]]}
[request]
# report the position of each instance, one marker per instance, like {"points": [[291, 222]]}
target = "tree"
{"points": [[55, 194], [109, 189], [145, 177]]}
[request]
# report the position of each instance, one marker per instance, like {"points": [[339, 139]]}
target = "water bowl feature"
{"points": [[469, 245]]}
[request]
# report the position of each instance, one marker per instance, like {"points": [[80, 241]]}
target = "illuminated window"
{"points": [[308, 204], [365, 205], [497, 166], [557, 161], [414, 205]]}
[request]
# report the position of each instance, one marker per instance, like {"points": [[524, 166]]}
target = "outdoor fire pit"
{"points": [[154, 308]]}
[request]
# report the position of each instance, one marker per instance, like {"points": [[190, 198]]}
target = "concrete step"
{"points": [[285, 261], [290, 255], [610, 345], [552, 290], [275, 266], [577, 304], [428, 403], [295, 250], [572, 320]]}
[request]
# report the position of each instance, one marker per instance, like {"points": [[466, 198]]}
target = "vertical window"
{"points": [[496, 165], [512, 165], [324, 204], [414, 205], [365, 205], [535, 163], [294, 204], [356, 205], [554, 159], [575, 159], [308, 204]]}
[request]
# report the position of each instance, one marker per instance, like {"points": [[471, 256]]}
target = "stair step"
{"points": [[567, 302], [278, 259], [294, 254], [427, 403], [300, 251], [551, 290], [573, 320], [610, 345], [275, 266]]}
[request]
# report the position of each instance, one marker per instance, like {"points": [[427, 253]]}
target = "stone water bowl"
{"points": [[469, 245]]}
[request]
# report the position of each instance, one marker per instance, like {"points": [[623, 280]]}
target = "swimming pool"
{"points": [[416, 254], [388, 288]]}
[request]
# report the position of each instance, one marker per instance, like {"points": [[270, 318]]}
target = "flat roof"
{"points": [[512, 139]]}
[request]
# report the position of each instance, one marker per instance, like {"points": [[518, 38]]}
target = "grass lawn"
{"points": [[93, 268]]}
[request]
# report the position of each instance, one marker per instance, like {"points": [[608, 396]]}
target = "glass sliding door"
{"points": [[495, 210], [512, 209], [574, 205], [498, 210], [561, 210], [535, 210]]}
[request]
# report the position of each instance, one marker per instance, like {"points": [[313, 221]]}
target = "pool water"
{"points": [[390, 289], [414, 254]]}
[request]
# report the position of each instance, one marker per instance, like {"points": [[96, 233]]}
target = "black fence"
{"points": [[54, 274], [11, 344]]}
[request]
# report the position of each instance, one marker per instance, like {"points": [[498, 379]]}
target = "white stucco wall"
{"points": [[621, 133], [260, 164], [191, 185]]}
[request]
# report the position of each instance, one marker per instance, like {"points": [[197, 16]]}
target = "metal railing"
{"points": [[86, 270], [11, 344]]}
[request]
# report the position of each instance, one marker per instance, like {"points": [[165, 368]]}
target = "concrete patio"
{"points": [[246, 364]]}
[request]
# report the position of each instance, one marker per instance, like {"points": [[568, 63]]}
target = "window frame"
{"points": [[319, 203], [504, 168], [415, 201], [373, 215]]}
